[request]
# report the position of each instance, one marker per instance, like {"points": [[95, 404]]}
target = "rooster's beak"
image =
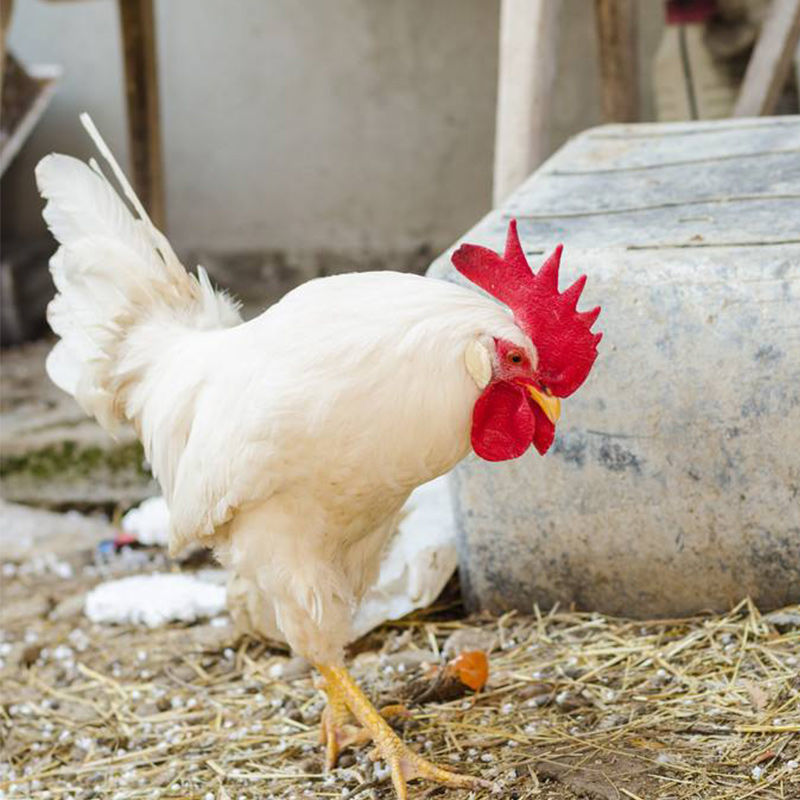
{"points": [[547, 401]]}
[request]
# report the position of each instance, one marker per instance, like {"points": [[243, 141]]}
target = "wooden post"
{"points": [[771, 60], [141, 93], [528, 52], [6, 7], [616, 34]]}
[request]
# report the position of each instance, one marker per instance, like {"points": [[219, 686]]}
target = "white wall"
{"points": [[341, 124]]}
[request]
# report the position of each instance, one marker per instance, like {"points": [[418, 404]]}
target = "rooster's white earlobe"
{"points": [[479, 363]]}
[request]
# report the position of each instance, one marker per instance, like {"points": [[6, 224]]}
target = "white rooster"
{"points": [[289, 443]]}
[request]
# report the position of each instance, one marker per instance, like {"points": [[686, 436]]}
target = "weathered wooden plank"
{"points": [[771, 60], [697, 226], [616, 35], [6, 7], [682, 182], [598, 150], [664, 130], [43, 82], [563, 198], [141, 93], [728, 200], [747, 189], [528, 39]]}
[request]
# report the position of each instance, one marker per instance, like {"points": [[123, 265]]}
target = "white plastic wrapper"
{"points": [[419, 561]]}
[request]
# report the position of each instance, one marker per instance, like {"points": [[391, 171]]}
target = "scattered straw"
{"points": [[577, 705]]}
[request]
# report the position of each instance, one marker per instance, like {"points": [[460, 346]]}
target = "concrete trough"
{"points": [[673, 485]]}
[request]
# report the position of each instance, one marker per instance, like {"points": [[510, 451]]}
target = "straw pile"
{"points": [[577, 705]]}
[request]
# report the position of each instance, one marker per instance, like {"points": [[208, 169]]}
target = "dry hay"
{"points": [[578, 705]]}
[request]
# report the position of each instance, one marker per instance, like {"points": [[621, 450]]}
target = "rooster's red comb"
{"points": [[561, 334]]}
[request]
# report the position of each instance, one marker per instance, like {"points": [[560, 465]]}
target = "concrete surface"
{"points": [[288, 126], [673, 485], [27, 533], [51, 453]]}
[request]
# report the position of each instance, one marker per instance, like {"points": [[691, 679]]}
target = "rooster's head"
{"points": [[520, 404]]}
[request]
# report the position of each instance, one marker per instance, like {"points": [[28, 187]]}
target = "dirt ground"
{"points": [[577, 705]]}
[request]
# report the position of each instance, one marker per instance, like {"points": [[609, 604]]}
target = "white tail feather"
{"points": [[158, 239], [114, 273]]}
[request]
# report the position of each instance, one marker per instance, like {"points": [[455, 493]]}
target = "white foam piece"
{"points": [[154, 600]]}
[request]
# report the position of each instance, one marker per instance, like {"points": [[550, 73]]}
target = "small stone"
{"points": [[312, 765], [296, 668], [465, 639], [295, 714], [783, 619], [71, 606], [535, 690], [30, 654], [380, 771], [289, 669], [79, 640], [410, 659], [63, 653]]}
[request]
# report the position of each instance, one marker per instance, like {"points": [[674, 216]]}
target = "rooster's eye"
{"points": [[515, 358]]}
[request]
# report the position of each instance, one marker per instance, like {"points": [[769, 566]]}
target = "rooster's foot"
{"points": [[346, 699], [339, 729]]}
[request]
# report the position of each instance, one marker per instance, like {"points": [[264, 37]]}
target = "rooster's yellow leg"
{"points": [[403, 762], [338, 729]]}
